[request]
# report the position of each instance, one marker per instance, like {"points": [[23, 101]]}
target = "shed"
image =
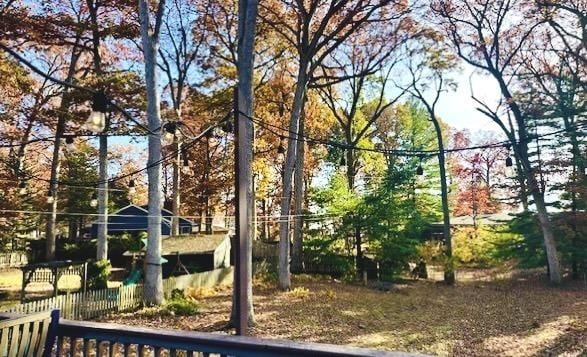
{"points": [[199, 252], [133, 218]]}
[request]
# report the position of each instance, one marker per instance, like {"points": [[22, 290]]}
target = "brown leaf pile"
{"points": [[521, 316]]}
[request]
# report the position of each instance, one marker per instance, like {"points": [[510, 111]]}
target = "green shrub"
{"points": [[525, 244], [182, 307], [75, 250], [476, 247], [430, 251], [264, 272], [321, 256], [394, 254], [177, 294], [98, 273], [522, 242], [179, 305]]}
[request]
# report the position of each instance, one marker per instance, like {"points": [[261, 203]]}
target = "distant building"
{"points": [[133, 218], [488, 220], [197, 252], [494, 219]]}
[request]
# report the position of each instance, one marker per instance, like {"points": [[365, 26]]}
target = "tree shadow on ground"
{"points": [[474, 318]]}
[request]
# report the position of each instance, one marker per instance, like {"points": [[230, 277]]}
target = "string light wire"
{"points": [[303, 137], [170, 156]]}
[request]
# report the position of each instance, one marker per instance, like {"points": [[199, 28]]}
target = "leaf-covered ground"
{"points": [[520, 316]]}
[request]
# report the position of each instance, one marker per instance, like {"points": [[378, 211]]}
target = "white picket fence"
{"points": [[95, 303]]}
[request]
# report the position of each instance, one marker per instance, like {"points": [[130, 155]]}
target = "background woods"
{"points": [[358, 160]]}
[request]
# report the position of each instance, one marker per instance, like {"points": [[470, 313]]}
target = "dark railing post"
{"points": [[52, 333]]}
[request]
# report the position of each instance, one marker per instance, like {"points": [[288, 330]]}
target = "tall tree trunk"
{"points": [[520, 174], [265, 224], [153, 288], [288, 170], [24, 141], [351, 161], [208, 216], [102, 241], [254, 205], [554, 270], [578, 176], [351, 173], [298, 229], [359, 245], [176, 200], [202, 223], [449, 270], [244, 154], [55, 162], [533, 184], [72, 231]]}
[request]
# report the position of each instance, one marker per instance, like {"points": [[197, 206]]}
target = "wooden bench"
{"points": [[30, 335]]}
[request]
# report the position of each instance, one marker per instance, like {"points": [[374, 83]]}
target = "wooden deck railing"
{"points": [[76, 338]]}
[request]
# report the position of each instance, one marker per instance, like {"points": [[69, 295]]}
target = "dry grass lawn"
{"points": [[520, 316]]}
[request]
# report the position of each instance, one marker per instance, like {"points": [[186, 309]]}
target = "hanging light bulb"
{"points": [[185, 168], [508, 159], [281, 148], [419, 169], [97, 120], [94, 201], [69, 142], [170, 132], [50, 197], [168, 138], [22, 187], [131, 187], [509, 162], [212, 137], [227, 126], [342, 162], [218, 132]]}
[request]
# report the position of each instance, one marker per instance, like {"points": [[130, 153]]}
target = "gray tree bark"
{"points": [[298, 231], [430, 105], [102, 239], [521, 149], [449, 270], [176, 199], [578, 176], [554, 269], [245, 65], [265, 225], [55, 162], [290, 159], [153, 288]]}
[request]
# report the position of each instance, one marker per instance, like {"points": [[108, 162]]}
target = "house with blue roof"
{"points": [[133, 219]]}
